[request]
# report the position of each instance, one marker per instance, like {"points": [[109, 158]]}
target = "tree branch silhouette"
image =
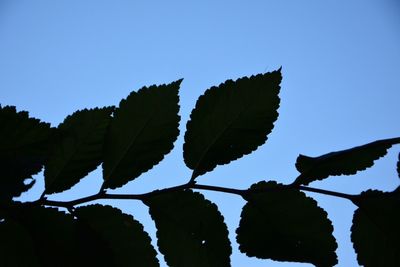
{"points": [[142, 197]]}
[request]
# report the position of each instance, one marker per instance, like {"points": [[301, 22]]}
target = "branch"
{"points": [[240, 192], [103, 195], [326, 192]]}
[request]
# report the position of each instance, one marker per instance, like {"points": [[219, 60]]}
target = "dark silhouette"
{"points": [[278, 222]]}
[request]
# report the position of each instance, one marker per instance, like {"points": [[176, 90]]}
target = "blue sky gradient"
{"points": [[340, 88]]}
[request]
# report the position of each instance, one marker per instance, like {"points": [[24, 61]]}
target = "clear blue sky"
{"points": [[341, 82]]}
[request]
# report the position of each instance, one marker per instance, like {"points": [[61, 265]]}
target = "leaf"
{"points": [[79, 149], [398, 166], [344, 162], [16, 247], [375, 232], [283, 224], [190, 230], [143, 130], [45, 234], [230, 121], [94, 250], [53, 238], [24, 147], [127, 243]]}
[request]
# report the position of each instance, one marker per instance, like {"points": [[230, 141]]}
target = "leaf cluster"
{"points": [[278, 222]]}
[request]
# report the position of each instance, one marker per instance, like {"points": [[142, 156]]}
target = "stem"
{"points": [[326, 192], [43, 195], [190, 185], [103, 195], [240, 192]]}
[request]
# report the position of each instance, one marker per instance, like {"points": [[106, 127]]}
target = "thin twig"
{"points": [[240, 192], [326, 192], [144, 196]]}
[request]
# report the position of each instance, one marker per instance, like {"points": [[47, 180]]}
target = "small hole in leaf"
{"points": [[28, 181], [203, 242]]}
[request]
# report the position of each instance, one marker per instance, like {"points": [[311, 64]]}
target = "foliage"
{"points": [[278, 222]]}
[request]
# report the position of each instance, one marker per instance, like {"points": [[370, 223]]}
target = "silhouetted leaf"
{"points": [[94, 250], [16, 246], [376, 229], [344, 162], [24, 146], [143, 130], [283, 224], [52, 238], [190, 230], [128, 244], [230, 121], [79, 149], [398, 166], [45, 232]]}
